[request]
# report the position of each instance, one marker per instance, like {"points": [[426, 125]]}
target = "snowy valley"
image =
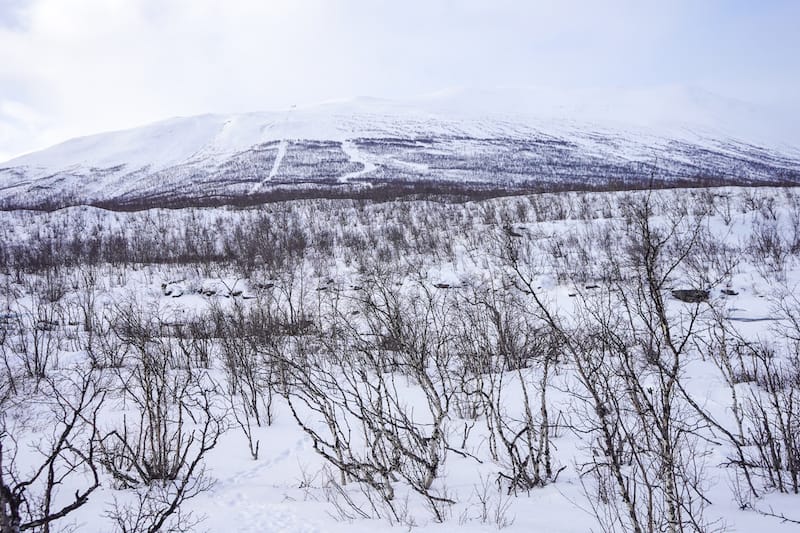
{"points": [[357, 266], [566, 362]]}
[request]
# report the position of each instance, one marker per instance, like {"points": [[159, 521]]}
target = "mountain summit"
{"points": [[470, 140]]}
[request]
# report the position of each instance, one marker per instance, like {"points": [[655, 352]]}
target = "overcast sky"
{"points": [[73, 67]]}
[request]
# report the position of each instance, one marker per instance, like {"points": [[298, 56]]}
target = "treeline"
{"points": [[33, 241], [495, 185]]}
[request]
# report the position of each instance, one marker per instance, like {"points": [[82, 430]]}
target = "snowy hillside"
{"points": [[510, 139], [567, 362]]}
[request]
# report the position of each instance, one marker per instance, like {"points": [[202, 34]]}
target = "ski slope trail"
{"points": [[356, 156], [282, 147]]}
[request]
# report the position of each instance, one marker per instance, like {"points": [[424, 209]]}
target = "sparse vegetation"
{"points": [[434, 361]]}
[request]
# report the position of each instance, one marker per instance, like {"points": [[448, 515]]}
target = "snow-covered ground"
{"points": [[456, 275], [527, 139]]}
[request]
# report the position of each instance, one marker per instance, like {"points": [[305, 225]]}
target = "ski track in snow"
{"points": [[282, 147], [356, 156], [254, 515], [240, 498]]}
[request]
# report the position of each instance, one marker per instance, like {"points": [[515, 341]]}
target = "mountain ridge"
{"points": [[512, 140]]}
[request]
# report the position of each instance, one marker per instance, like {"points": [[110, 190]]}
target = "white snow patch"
{"points": [[356, 156], [282, 147]]}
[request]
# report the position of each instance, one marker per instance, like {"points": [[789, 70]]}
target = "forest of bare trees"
{"points": [[443, 361]]}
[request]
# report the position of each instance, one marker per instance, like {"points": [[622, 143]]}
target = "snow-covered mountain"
{"points": [[461, 139]]}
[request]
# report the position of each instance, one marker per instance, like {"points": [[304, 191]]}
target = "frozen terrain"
{"points": [[440, 354], [509, 140]]}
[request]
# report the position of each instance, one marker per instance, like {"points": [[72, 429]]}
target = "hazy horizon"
{"points": [[89, 66]]}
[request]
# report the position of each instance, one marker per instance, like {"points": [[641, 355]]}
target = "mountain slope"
{"points": [[470, 140]]}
